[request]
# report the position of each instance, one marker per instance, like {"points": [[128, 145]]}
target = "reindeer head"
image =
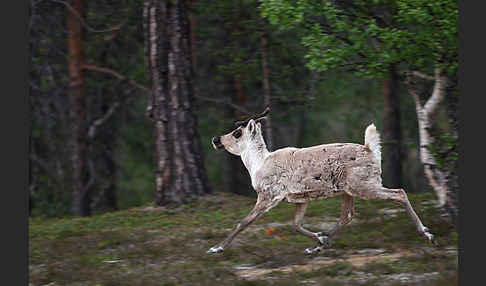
{"points": [[247, 133]]}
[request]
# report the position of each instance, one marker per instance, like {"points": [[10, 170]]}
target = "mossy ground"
{"points": [[156, 246]]}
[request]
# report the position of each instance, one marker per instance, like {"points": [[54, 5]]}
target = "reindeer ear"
{"points": [[259, 127], [251, 126]]}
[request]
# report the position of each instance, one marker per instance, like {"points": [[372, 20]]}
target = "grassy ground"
{"points": [[154, 246]]}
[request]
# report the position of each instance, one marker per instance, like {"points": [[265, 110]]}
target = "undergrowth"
{"points": [[157, 246]]}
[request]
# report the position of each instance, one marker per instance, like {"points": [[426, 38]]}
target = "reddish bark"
{"points": [[80, 193]]}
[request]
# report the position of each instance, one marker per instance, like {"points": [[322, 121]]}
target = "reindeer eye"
{"points": [[237, 133]]}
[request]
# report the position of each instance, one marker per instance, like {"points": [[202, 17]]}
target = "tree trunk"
{"points": [[241, 184], [229, 175], [437, 177], [193, 24], [80, 194], [233, 173], [392, 155], [110, 198], [266, 87], [452, 104], [180, 171], [235, 178]]}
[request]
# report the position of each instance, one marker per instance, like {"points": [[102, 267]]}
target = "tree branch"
{"points": [[147, 90], [85, 25], [225, 102], [117, 75], [93, 128], [422, 75], [413, 93], [438, 93]]}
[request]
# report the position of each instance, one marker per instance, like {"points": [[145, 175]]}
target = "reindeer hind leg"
{"points": [[399, 195], [347, 213], [300, 209]]}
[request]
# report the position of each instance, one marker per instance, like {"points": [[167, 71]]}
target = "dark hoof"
{"points": [[313, 250], [215, 249], [322, 233], [430, 237], [324, 239]]}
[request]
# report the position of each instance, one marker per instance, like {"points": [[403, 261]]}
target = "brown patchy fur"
{"points": [[318, 172]]}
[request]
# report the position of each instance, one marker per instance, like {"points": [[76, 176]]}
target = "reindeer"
{"points": [[301, 175]]}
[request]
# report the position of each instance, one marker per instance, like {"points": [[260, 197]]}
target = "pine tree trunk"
{"points": [[80, 195], [110, 198], [234, 176], [193, 24], [266, 88], [452, 104], [180, 171], [392, 155], [229, 175], [241, 184]]}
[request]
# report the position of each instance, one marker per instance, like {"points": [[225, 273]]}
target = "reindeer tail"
{"points": [[372, 141]]}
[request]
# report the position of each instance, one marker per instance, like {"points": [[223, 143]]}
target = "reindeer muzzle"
{"points": [[217, 142]]}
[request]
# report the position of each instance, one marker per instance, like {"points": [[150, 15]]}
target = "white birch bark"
{"points": [[425, 114]]}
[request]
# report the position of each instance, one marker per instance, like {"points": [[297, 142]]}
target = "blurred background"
{"points": [[109, 78], [125, 96]]}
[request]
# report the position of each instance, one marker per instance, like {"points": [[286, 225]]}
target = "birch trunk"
{"points": [[436, 177]]}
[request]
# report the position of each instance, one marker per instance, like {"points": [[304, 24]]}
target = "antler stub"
{"points": [[254, 117]]}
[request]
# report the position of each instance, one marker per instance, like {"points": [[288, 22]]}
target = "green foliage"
{"points": [[355, 37]]}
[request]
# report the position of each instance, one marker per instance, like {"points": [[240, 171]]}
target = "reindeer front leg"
{"points": [[262, 205]]}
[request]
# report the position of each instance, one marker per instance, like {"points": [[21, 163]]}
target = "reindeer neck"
{"points": [[254, 156]]}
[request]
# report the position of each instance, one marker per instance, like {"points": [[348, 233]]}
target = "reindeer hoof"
{"points": [[429, 236], [313, 250], [324, 239], [215, 249]]}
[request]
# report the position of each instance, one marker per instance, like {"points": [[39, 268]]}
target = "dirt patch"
{"points": [[357, 260]]}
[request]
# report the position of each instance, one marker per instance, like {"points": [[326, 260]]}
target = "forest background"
{"points": [[327, 71], [125, 187]]}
